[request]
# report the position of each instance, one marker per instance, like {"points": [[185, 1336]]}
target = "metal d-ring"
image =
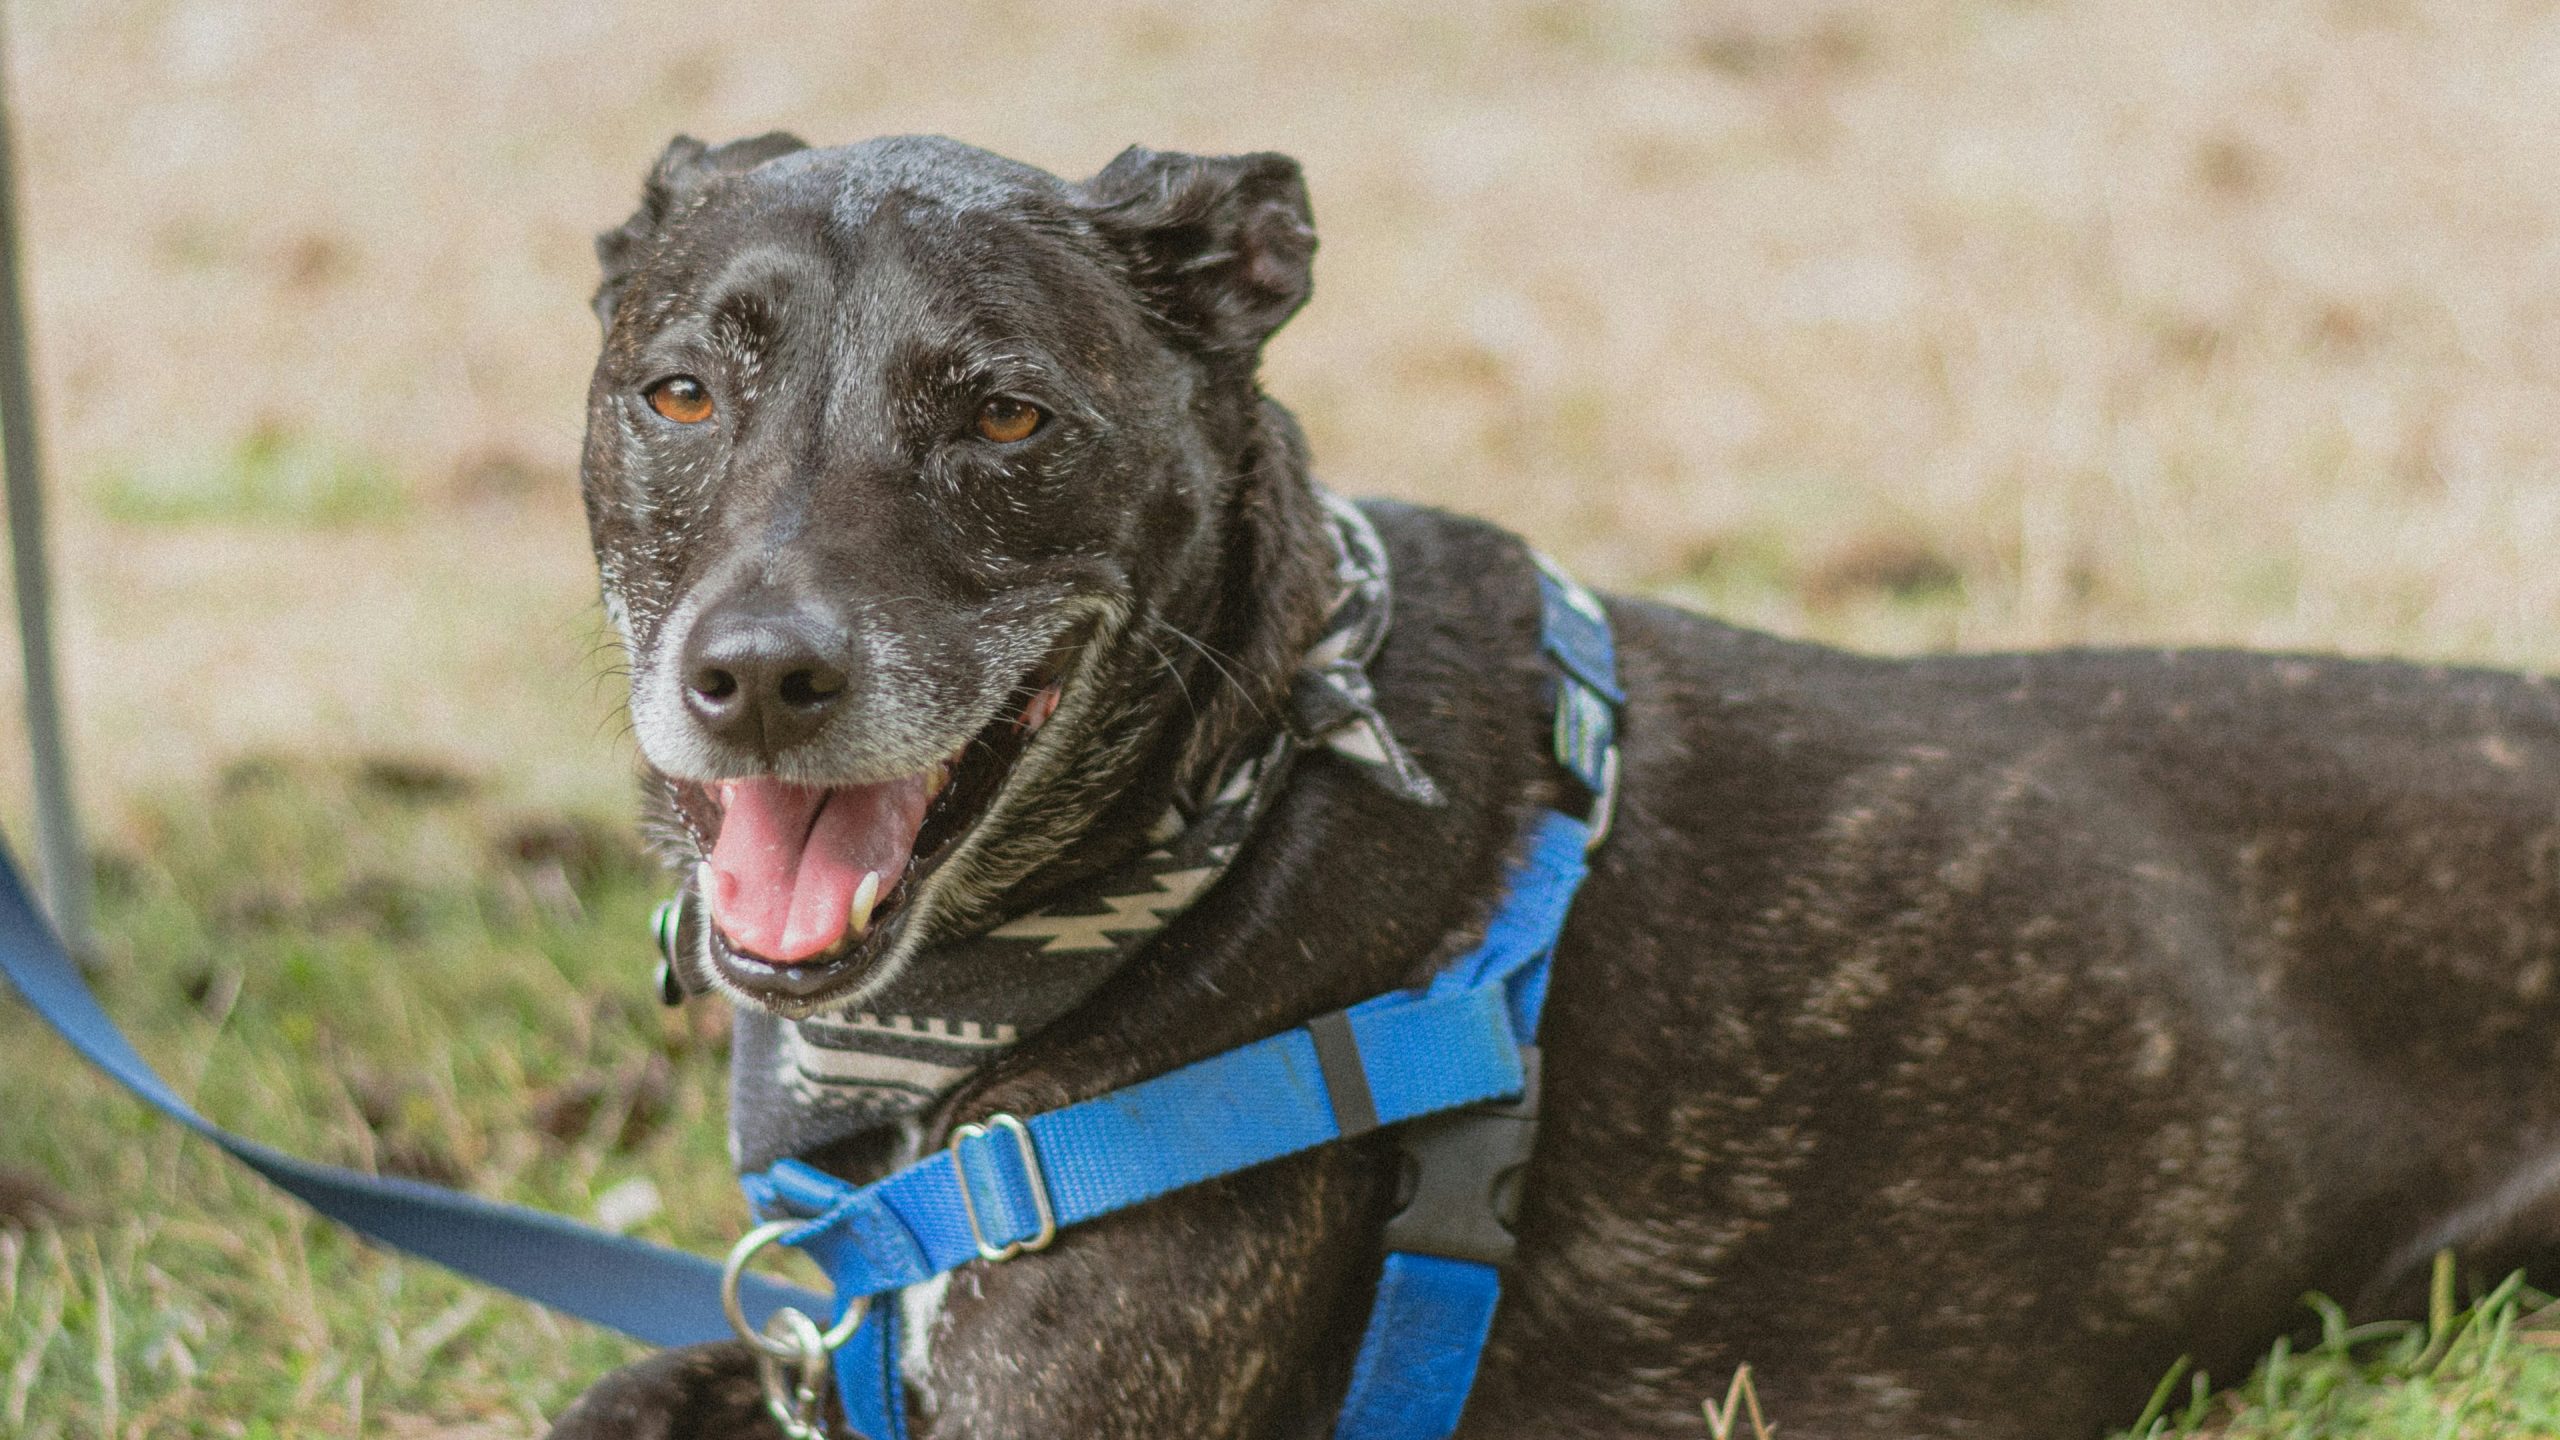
{"points": [[666, 926], [763, 1340], [791, 1351]]}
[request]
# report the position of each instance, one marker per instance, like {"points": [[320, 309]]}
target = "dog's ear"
{"points": [[686, 167], [1222, 245]]}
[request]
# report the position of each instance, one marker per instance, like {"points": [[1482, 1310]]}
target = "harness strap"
{"points": [[1418, 1359], [1442, 1279], [1010, 1184]]}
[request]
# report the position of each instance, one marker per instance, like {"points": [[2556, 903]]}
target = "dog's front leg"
{"points": [[1229, 1310], [701, 1392]]}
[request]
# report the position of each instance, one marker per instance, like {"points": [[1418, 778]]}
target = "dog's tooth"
{"points": [[1037, 713], [865, 895], [936, 778]]}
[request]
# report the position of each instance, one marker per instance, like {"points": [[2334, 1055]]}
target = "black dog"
{"points": [[1956, 1041]]}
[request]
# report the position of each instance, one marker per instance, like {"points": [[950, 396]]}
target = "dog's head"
{"points": [[934, 500]]}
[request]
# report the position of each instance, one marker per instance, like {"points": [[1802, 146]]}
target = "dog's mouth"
{"points": [[804, 883]]}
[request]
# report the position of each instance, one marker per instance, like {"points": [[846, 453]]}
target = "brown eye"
{"points": [[1005, 420], [680, 398]]}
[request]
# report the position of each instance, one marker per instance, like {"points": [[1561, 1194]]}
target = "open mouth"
{"points": [[805, 881]]}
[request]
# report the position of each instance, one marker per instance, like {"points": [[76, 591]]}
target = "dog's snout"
{"points": [[762, 678]]}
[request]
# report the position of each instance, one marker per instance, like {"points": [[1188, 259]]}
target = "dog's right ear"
{"points": [[680, 174]]}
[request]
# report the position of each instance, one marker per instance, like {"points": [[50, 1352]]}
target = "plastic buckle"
{"points": [[1464, 1170], [1021, 1134]]}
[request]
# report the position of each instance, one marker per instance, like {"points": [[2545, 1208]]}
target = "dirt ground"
{"points": [[1907, 324]]}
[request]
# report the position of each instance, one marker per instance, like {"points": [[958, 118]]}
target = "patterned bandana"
{"points": [[798, 1085]]}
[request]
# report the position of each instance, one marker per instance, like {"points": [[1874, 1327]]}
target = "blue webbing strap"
{"points": [[665, 1297], [1422, 1054], [1434, 1312], [1418, 1357], [1426, 1052], [875, 1407]]}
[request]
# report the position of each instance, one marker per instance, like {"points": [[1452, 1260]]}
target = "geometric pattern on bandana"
{"points": [[797, 1085]]}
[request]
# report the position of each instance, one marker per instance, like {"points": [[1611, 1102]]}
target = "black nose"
{"points": [[760, 677]]}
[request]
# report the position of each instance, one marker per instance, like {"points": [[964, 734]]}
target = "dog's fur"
{"points": [[1957, 1041]]}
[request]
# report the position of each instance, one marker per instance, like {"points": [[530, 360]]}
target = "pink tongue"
{"points": [[790, 857]]}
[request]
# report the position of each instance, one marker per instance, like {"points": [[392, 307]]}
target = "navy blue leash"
{"points": [[662, 1296], [1456, 1057], [1459, 1051]]}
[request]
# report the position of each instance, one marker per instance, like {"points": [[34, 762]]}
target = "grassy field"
{"points": [[376, 965], [1906, 324], [2486, 1371]]}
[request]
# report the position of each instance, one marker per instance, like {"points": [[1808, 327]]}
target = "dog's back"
{"points": [[1958, 1037]]}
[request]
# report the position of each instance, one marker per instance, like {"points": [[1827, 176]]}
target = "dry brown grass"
{"points": [[2184, 321]]}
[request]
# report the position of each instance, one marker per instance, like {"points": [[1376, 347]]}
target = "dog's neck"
{"points": [[1261, 608], [1232, 631]]}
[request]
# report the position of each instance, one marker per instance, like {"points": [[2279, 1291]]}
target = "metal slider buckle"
{"points": [[1039, 1179], [1585, 744]]}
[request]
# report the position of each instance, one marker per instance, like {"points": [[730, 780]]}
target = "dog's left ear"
{"points": [[1223, 245]]}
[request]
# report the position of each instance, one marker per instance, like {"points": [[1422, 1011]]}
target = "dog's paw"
{"points": [[701, 1392]]}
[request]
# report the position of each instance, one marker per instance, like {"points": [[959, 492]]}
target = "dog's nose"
{"points": [[760, 678]]}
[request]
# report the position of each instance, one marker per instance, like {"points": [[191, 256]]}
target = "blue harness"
{"points": [[1456, 1058]]}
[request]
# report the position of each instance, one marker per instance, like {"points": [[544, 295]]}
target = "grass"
{"points": [[2490, 1371], [269, 476], [371, 964]]}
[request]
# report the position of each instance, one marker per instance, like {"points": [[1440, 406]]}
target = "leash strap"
{"points": [[662, 1296], [1455, 1056]]}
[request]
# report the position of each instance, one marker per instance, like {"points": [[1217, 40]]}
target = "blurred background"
{"points": [[1908, 325], [1904, 324]]}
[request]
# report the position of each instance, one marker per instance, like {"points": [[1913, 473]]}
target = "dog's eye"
{"points": [[1005, 419], [680, 398]]}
